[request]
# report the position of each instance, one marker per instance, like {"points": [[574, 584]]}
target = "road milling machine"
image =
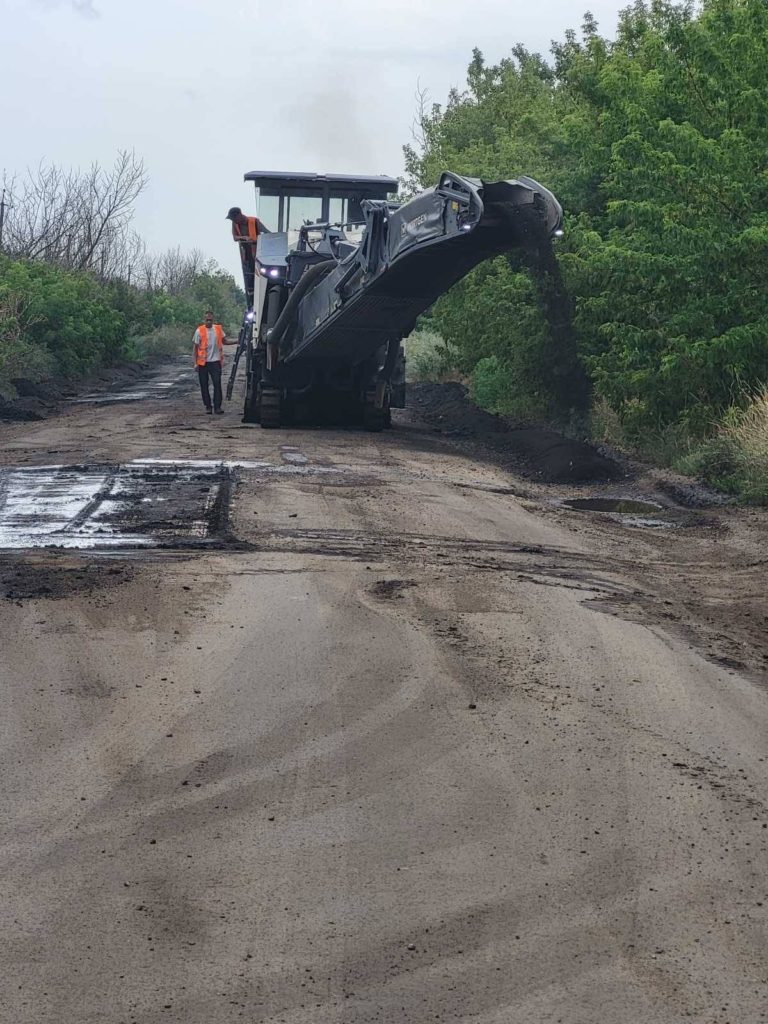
{"points": [[341, 274]]}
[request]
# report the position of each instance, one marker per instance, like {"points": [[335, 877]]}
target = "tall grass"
{"points": [[735, 459], [428, 357], [748, 431]]}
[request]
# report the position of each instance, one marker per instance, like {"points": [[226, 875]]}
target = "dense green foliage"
{"points": [[55, 321], [656, 144]]}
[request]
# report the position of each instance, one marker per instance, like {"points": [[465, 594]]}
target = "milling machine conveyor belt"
{"points": [[409, 257]]}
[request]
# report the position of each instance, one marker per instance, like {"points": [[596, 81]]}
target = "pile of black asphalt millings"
{"points": [[539, 451]]}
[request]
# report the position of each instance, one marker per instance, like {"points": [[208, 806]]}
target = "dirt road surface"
{"points": [[323, 726]]}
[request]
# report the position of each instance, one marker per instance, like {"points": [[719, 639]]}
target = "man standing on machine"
{"points": [[246, 231]]}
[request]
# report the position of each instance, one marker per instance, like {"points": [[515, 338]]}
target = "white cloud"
{"points": [[205, 90], [85, 8]]}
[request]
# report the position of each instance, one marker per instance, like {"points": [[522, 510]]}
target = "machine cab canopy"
{"points": [[288, 199]]}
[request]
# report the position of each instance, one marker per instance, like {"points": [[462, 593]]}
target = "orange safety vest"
{"points": [[202, 346], [251, 232]]}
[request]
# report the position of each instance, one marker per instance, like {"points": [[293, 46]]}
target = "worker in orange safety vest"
{"points": [[209, 341], [246, 231]]}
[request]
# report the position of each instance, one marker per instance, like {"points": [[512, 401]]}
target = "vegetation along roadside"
{"points": [[78, 289], [655, 143]]}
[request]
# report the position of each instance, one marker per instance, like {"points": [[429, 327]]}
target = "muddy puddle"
{"points": [[628, 511]]}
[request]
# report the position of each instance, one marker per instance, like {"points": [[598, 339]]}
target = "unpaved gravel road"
{"points": [[363, 728]]}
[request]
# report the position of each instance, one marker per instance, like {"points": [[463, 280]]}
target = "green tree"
{"points": [[656, 144], [671, 313]]}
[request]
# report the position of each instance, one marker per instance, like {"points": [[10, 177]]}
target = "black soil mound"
{"points": [[543, 452], [37, 400], [26, 388], [21, 410]]}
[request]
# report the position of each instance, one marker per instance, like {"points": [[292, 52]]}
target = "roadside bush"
{"points": [[18, 356], [168, 340], [496, 323], [490, 383], [68, 323], [605, 424], [428, 357], [67, 314], [736, 459]]}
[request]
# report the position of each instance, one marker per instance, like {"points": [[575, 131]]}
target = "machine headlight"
{"points": [[273, 272]]}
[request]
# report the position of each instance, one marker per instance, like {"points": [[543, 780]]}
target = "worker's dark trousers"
{"points": [[211, 371], [248, 259]]}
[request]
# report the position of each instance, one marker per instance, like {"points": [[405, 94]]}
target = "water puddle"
{"points": [[298, 467], [628, 511], [622, 506], [161, 387], [293, 456]]}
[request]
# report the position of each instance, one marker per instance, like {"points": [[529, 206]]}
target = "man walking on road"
{"points": [[209, 341]]}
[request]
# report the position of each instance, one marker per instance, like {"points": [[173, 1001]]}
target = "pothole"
{"points": [[628, 511]]}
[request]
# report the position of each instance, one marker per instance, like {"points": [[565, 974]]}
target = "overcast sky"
{"points": [[204, 90]]}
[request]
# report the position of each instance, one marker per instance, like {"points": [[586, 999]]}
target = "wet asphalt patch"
{"points": [[146, 503], [131, 505]]}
